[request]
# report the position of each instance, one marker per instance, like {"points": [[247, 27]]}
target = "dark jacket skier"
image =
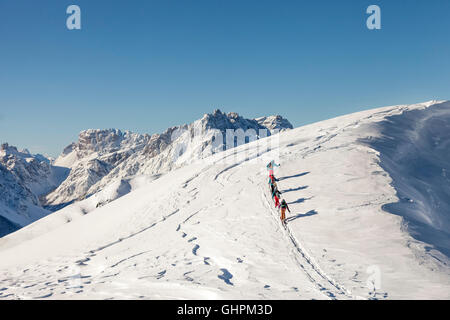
{"points": [[276, 197]]}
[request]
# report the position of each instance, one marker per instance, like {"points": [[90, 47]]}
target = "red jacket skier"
{"points": [[276, 197]]}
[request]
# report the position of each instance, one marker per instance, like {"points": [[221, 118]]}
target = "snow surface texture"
{"points": [[415, 151], [210, 230]]}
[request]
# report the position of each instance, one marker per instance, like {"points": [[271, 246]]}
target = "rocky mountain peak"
{"points": [[6, 149], [276, 122]]}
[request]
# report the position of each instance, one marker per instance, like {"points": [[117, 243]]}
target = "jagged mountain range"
{"points": [[32, 186]]}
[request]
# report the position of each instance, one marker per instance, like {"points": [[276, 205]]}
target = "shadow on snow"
{"points": [[301, 200], [294, 189], [302, 215], [293, 176]]}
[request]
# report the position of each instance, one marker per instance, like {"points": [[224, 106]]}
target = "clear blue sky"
{"points": [[145, 65]]}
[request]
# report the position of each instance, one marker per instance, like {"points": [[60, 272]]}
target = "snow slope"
{"points": [[209, 229], [415, 151]]}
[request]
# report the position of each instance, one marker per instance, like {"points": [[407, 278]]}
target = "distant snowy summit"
{"points": [[275, 123], [232, 120], [34, 185]]}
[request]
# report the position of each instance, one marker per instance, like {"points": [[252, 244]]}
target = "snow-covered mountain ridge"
{"points": [[209, 229], [24, 178], [106, 159], [102, 157]]}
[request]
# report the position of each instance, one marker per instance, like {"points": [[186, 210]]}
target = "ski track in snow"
{"points": [[323, 282]]}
